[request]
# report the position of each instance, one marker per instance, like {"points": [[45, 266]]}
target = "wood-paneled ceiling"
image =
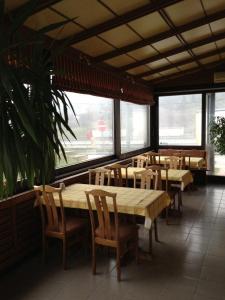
{"points": [[149, 40]]}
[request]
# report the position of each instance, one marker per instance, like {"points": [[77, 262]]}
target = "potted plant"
{"points": [[33, 113]]}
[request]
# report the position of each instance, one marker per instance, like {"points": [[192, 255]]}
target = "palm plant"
{"points": [[33, 113]]}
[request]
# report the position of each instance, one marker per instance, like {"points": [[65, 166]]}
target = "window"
{"points": [[93, 129], [215, 108], [180, 120], [134, 126]]}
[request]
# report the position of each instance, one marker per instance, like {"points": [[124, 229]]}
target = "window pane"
{"points": [[180, 120], [134, 126], [93, 129], [216, 108]]}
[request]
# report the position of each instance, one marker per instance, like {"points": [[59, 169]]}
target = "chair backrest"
{"points": [[151, 158], [117, 173], [100, 175], [139, 161], [104, 223], [157, 169], [149, 179], [166, 152], [50, 215], [196, 153], [175, 162]]}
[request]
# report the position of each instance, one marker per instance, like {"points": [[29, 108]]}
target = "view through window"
{"points": [[215, 108], [180, 120], [93, 129], [134, 126]]}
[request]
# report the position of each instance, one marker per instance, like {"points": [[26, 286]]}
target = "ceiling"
{"points": [[151, 41]]}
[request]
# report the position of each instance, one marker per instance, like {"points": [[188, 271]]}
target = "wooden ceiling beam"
{"points": [[179, 36], [161, 36], [46, 3], [186, 72], [120, 20], [43, 4], [173, 51], [181, 63]]}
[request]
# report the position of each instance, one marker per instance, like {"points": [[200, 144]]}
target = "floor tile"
{"points": [[187, 264]]}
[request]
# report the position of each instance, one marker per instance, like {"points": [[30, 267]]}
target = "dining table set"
{"points": [[130, 198], [140, 191]]}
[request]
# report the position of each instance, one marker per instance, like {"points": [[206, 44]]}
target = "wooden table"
{"points": [[139, 202], [194, 163], [182, 177]]}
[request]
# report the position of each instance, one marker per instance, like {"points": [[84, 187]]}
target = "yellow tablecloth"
{"points": [[147, 203], [184, 177], [195, 162]]}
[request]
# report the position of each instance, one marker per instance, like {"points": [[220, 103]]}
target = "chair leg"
{"points": [[85, 243], [167, 217], [44, 248], [93, 258], [156, 230], [136, 249], [118, 263], [150, 240], [64, 254], [179, 201]]}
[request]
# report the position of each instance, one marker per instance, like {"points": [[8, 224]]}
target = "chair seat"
{"points": [[73, 224], [125, 232]]}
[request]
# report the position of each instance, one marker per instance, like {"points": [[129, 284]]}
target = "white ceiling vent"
{"points": [[219, 77]]}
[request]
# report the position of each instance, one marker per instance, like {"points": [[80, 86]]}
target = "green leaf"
{"points": [[53, 26], [33, 120], [22, 14]]}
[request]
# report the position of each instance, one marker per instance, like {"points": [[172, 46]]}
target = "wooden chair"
{"points": [[174, 190], [151, 158], [139, 161], [175, 162], [149, 180], [157, 169], [100, 175], [163, 185], [116, 169], [54, 222], [108, 232], [196, 153]]}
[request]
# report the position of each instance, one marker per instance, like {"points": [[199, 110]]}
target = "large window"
{"points": [[93, 129], [134, 126], [180, 120], [215, 108]]}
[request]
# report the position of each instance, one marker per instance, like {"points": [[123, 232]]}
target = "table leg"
{"points": [[147, 255], [179, 201]]}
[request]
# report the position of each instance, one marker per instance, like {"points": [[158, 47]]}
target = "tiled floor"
{"points": [[188, 263]]}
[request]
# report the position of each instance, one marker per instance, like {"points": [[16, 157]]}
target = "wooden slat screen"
{"points": [[77, 76]]}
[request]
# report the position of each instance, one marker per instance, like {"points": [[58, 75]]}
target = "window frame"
{"points": [[203, 121]]}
